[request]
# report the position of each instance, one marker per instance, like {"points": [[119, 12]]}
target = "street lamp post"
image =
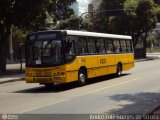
{"points": [[79, 20], [97, 12]]}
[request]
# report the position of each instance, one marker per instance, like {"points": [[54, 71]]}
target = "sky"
{"points": [[83, 5]]}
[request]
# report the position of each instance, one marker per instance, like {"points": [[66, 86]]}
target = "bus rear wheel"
{"points": [[82, 77], [119, 70]]}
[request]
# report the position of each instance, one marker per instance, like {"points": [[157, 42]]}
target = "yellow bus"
{"points": [[64, 56]]}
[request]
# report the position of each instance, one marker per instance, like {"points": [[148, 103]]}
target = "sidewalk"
{"points": [[150, 56], [12, 78], [15, 75]]}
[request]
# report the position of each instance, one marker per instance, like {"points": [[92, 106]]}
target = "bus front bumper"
{"points": [[43, 80]]}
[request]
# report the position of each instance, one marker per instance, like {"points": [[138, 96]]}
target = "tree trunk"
{"points": [[4, 37], [144, 44], [3, 56]]}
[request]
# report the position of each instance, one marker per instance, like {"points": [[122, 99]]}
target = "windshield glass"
{"points": [[44, 50]]}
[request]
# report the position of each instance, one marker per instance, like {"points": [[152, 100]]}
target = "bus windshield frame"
{"points": [[44, 49]]}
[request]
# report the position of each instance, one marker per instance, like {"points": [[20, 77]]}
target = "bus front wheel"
{"points": [[82, 77]]}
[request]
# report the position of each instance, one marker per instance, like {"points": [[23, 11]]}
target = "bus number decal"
{"points": [[82, 60], [103, 61]]}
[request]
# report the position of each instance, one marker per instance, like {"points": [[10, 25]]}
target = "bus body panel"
{"points": [[107, 64], [71, 71], [90, 62], [111, 64]]}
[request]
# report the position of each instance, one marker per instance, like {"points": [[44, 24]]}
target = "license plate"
{"points": [[43, 80]]}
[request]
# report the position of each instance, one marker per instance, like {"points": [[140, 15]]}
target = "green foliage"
{"points": [[158, 13], [146, 15], [69, 24], [130, 7], [140, 16], [72, 23], [151, 40], [102, 21], [30, 15], [60, 9], [142, 21], [18, 38], [87, 24]]}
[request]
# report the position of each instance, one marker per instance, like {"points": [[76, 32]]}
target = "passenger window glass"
{"points": [[123, 46], [117, 47], [81, 46], [109, 45], [91, 45], [129, 47], [101, 46]]}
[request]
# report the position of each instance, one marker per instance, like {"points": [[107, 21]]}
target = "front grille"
{"points": [[43, 74], [42, 80]]}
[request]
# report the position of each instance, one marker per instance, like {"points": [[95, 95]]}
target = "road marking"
{"points": [[114, 85], [42, 106]]}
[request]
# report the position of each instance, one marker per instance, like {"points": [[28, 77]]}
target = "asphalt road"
{"points": [[136, 92]]}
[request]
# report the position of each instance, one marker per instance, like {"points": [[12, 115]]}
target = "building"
{"points": [[75, 7], [94, 5], [112, 9]]}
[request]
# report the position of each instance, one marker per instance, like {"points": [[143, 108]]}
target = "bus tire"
{"points": [[119, 70], [49, 85], [82, 77]]}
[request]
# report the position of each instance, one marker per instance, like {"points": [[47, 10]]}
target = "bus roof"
{"points": [[89, 34], [95, 34]]}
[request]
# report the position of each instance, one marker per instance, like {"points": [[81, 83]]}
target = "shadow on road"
{"points": [[68, 86], [139, 103]]}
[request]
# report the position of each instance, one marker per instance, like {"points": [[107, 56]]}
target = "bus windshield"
{"points": [[44, 50]]}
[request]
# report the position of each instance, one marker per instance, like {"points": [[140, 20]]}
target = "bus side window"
{"points": [[129, 46], [109, 45], [123, 46], [101, 46], [117, 48], [91, 45], [81, 45]]}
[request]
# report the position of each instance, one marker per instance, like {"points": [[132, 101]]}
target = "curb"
{"points": [[147, 59], [154, 113], [12, 80]]}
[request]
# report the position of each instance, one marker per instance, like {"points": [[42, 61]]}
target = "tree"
{"points": [[139, 17], [18, 37], [102, 18], [60, 9], [69, 24], [26, 14], [72, 23], [21, 13], [151, 40], [142, 20]]}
